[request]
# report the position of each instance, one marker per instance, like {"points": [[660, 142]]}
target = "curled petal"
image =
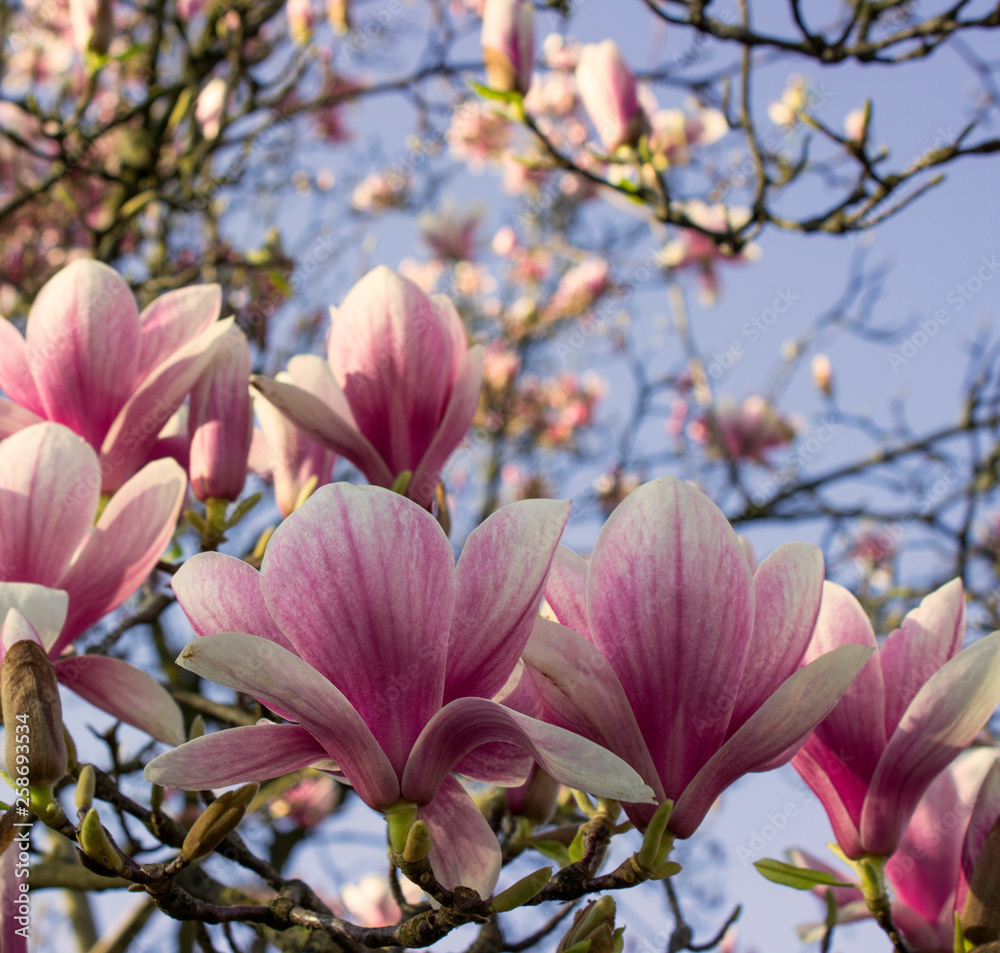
{"points": [[464, 850], [466, 723], [285, 682], [236, 756], [172, 320], [128, 693], [943, 718]]}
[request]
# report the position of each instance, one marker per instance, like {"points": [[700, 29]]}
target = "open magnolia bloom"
{"points": [[361, 629], [92, 362], [686, 665], [400, 389], [917, 703], [63, 573]]}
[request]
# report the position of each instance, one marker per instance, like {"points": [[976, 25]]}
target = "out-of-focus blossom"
{"points": [[691, 689], [91, 361], [821, 369], [338, 12], [675, 133], [550, 412], [608, 91], [220, 422], [856, 124], [611, 488], [451, 233], [579, 289], [744, 431], [520, 484], [917, 703], [552, 94], [93, 25], [787, 110], [500, 366], [388, 414], [693, 249], [478, 134], [386, 655], [308, 802], [381, 191], [505, 242], [369, 902], [210, 106], [560, 52], [188, 9], [301, 19], [873, 552], [64, 572], [508, 40]]}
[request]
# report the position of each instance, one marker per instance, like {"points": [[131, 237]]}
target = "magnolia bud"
{"points": [[594, 923], [822, 373], [508, 44], [338, 12], [518, 894], [98, 846], [85, 787], [32, 714], [219, 819], [980, 917]]}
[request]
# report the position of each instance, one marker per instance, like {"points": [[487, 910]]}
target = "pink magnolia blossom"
{"points": [[369, 902], [508, 40], [608, 91], [579, 289], [744, 431], [682, 662], [916, 704], [386, 655], [63, 572], [280, 449], [401, 384], [209, 107], [220, 422], [92, 362], [93, 25], [451, 233]]}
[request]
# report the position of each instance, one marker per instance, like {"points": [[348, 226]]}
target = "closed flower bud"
{"points": [[32, 713], [508, 44], [220, 819], [980, 916], [521, 892], [85, 787], [98, 846], [595, 924], [221, 422], [608, 90]]}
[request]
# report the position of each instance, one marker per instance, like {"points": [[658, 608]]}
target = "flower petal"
{"points": [[128, 693], [14, 417], [277, 677], [943, 718], [771, 735], [44, 608], [173, 319], [135, 430], [985, 811], [500, 578], [221, 593], [788, 586], [581, 693], [317, 420], [362, 583], [123, 548], [823, 773], [15, 374], [83, 347], [235, 756], [653, 598], [566, 590], [50, 483], [466, 723], [929, 636], [452, 430], [464, 849]]}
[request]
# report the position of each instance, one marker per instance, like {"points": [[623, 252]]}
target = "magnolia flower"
{"points": [[360, 628], [917, 703], [685, 665], [63, 572], [209, 107], [745, 431], [451, 233], [607, 88], [93, 25], [508, 40], [931, 870], [385, 411], [370, 903], [220, 422], [91, 361]]}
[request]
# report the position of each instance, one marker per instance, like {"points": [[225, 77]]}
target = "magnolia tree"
{"points": [[461, 561]]}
